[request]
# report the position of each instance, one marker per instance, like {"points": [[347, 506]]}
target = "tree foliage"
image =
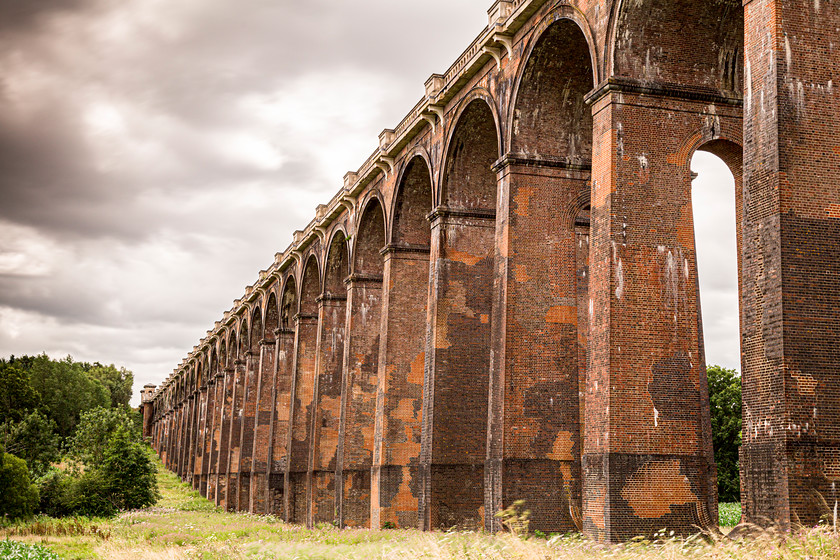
{"points": [[725, 405], [34, 440], [96, 429], [66, 391], [18, 496], [119, 382], [129, 473], [47, 405], [17, 397]]}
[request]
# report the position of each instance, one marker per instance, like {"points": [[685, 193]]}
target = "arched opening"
{"points": [[461, 294], [241, 385], [546, 186], [468, 179], [700, 44], [716, 209], [303, 387], [413, 204], [715, 235], [250, 396], [364, 301], [207, 421], [326, 424], [396, 478], [288, 305], [282, 398], [550, 118]]}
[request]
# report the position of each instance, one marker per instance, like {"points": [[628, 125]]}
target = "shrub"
{"points": [[96, 428], [12, 550], [53, 488], [34, 440], [18, 496], [129, 473]]}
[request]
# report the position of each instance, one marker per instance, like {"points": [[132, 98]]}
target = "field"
{"points": [[186, 526]]}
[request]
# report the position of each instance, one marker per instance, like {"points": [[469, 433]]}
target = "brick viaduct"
{"points": [[502, 303]]}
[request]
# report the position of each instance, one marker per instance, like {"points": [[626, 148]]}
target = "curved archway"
{"points": [[696, 44], [364, 304], [537, 399], [303, 387], [250, 394], [395, 478], [458, 356], [238, 446], [283, 393], [716, 203], [468, 179], [413, 203], [550, 118], [325, 425]]}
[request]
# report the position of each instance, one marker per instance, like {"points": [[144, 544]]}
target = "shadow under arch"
{"points": [[395, 476], [699, 44], [457, 361], [332, 316], [361, 359], [302, 390]]}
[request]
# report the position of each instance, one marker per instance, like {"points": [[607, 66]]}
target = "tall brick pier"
{"points": [[501, 303]]}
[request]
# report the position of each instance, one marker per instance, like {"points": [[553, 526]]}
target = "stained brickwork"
{"points": [[502, 302]]}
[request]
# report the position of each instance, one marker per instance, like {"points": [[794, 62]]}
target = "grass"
{"points": [[183, 525], [729, 514]]}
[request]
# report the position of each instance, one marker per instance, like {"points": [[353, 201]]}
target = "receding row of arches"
{"points": [[423, 364]]}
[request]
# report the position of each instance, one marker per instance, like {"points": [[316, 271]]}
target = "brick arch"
{"points": [[272, 316], [473, 145], [310, 286], [223, 350], [336, 266], [369, 238], [288, 302], [255, 329], [244, 336], [412, 203], [678, 42], [233, 346], [548, 115]]}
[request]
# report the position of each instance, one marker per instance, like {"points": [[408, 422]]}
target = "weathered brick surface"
{"points": [[361, 358], [790, 339], [262, 420], [502, 302]]}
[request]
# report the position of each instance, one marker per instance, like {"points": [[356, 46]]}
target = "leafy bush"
{"points": [[12, 550], [34, 440], [54, 488], [88, 494], [126, 478], [96, 428], [18, 496], [129, 473]]}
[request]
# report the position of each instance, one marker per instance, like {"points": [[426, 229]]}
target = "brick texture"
{"points": [[502, 302]]}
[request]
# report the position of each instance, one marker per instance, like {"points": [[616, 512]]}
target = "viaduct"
{"points": [[502, 302]]}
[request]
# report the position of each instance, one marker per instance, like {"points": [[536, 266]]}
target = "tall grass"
{"points": [[186, 526]]}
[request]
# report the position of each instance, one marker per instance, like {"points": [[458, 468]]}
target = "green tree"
{"points": [[129, 473], [18, 496], [17, 397], [96, 428], [66, 391], [34, 440], [119, 382], [725, 405]]}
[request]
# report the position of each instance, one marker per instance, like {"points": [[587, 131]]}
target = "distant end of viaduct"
{"points": [[502, 302]]}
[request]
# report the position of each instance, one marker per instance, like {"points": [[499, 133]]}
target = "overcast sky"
{"points": [[155, 154]]}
